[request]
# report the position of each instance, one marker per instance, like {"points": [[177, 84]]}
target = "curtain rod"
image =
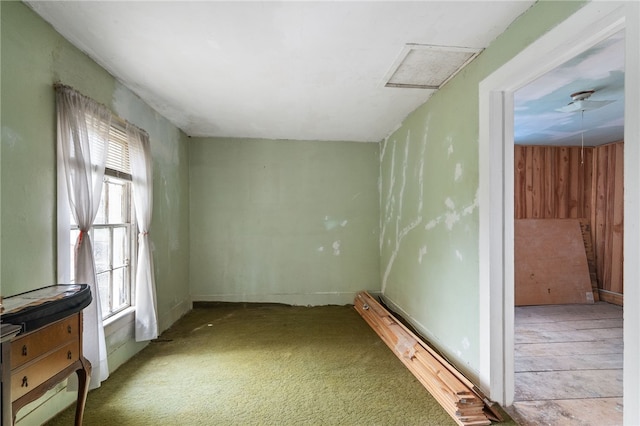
{"points": [[114, 117]]}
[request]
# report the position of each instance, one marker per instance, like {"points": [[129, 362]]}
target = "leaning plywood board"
{"points": [[550, 263], [464, 403]]}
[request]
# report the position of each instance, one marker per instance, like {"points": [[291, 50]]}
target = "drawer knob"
{"points": [[25, 383], [69, 329], [24, 350], [69, 355]]}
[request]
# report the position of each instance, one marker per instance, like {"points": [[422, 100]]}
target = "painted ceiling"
{"points": [[537, 120], [308, 70], [321, 70]]}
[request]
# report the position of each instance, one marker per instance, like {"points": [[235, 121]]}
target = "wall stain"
{"points": [[10, 138], [330, 223]]}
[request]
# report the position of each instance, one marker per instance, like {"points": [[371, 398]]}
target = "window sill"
{"points": [[118, 320]]}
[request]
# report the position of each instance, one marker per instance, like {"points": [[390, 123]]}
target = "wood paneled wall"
{"points": [[552, 182], [607, 215], [575, 183]]}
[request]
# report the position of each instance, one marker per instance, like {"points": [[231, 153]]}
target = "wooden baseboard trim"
{"points": [[611, 297]]}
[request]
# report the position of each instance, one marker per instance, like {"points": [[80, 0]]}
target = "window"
{"points": [[113, 245], [113, 234], [94, 149]]}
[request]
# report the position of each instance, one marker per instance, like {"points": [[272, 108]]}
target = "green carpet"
{"points": [[257, 364]]}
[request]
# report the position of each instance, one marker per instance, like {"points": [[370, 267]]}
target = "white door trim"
{"points": [[594, 22]]}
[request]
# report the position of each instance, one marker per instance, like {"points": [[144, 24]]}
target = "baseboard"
{"points": [[611, 297], [310, 299], [175, 313], [43, 409]]}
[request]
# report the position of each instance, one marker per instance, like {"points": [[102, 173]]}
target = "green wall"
{"points": [[261, 220], [283, 221], [34, 56], [429, 207], [170, 226]]}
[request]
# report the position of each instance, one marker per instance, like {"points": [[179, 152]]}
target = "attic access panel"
{"points": [[422, 66]]}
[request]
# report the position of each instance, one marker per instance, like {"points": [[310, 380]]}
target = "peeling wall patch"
{"points": [[452, 216], [431, 224], [400, 234], [336, 248], [458, 255], [450, 219], [421, 253], [469, 209], [320, 249], [449, 203], [466, 344], [458, 173], [10, 137], [330, 223]]}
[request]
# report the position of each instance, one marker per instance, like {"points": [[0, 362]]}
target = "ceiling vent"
{"points": [[422, 66]]}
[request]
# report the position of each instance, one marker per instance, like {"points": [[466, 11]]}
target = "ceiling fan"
{"points": [[580, 102]]}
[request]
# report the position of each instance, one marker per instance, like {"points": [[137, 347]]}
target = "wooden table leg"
{"points": [[84, 377]]}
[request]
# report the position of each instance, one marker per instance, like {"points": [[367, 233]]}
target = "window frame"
{"points": [[117, 137]]}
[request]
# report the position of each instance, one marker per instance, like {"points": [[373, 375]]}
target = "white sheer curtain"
{"points": [[83, 138], [142, 172]]}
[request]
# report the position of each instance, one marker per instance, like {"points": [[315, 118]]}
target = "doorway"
{"points": [[591, 24], [568, 217]]}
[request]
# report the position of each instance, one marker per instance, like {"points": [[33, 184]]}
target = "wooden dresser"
{"points": [[42, 356]]}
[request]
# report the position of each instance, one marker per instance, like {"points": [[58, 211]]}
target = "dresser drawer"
{"points": [[27, 378], [32, 345]]}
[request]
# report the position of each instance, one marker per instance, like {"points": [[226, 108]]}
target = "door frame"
{"points": [[591, 24]]}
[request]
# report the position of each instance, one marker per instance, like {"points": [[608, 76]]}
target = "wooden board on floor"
{"points": [[609, 348], [568, 412], [550, 263], [455, 393], [589, 335], [576, 384], [582, 362]]}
